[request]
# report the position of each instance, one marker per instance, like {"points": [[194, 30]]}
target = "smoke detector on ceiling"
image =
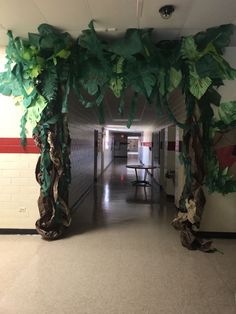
{"points": [[166, 11]]}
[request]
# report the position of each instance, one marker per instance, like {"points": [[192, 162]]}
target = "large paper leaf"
{"points": [[35, 110], [189, 49], [175, 78], [95, 47], [217, 179], [116, 85], [49, 83], [198, 85], [133, 109], [128, 46], [218, 36], [227, 112], [141, 78]]}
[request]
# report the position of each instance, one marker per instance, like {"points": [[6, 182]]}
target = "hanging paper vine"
{"points": [[41, 70]]}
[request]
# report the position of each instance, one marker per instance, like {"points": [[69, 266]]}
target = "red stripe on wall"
{"points": [[13, 146]]}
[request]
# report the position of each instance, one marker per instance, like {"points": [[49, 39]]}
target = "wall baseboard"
{"points": [[17, 231], [217, 235]]}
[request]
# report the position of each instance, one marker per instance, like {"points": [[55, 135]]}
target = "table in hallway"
{"points": [[139, 182]]}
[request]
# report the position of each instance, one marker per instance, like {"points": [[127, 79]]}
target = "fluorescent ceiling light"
{"points": [[103, 29], [134, 137], [139, 8], [125, 120]]}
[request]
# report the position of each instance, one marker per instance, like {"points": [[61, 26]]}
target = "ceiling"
{"points": [[113, 17], [190, 16]]}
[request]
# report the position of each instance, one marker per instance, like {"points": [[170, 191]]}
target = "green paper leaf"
{"points": [[219, 36], [116, 85], [128, 46], [91, 87], [101, 113], [121, 105], [23, 122], [227, 112], [64, 54], [49, 83], [64, 107], [175, 79], [189, 49], [34, 39], [35, 110], [35, 71], [5, 90], [198, 86], [133, 109]]}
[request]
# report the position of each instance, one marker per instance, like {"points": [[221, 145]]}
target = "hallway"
{"points": [[120, 256]]}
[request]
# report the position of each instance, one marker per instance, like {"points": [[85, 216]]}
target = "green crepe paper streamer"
{"points": [[101, 113], [23, 122], [64, 108], [132, 109]]}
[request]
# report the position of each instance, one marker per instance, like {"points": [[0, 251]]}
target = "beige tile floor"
{"points": [[121, 256]]}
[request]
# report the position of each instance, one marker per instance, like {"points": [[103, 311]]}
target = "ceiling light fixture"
{"points": [[139, 8], [107, 30], [166, 11]]}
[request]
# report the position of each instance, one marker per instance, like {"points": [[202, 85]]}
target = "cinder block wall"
{"points": [[82, 123], [19, 190], [82, 149]]}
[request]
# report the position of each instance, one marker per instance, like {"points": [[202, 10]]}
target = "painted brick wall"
{"points": [[82, 148], [18, 189], [82, 123]]}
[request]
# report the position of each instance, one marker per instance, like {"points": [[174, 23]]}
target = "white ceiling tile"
{"points": [[20, 16], [208, 13], [67, 15], [114, 13], [152, 18]]}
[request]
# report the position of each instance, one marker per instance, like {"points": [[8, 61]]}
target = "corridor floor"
{"points": [[121, 256]]}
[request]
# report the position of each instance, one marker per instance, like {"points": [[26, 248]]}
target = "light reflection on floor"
{"points": [[115, 200], [121, 256]]}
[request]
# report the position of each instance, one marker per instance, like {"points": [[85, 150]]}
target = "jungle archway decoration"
{"points": [[41, 71]]}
